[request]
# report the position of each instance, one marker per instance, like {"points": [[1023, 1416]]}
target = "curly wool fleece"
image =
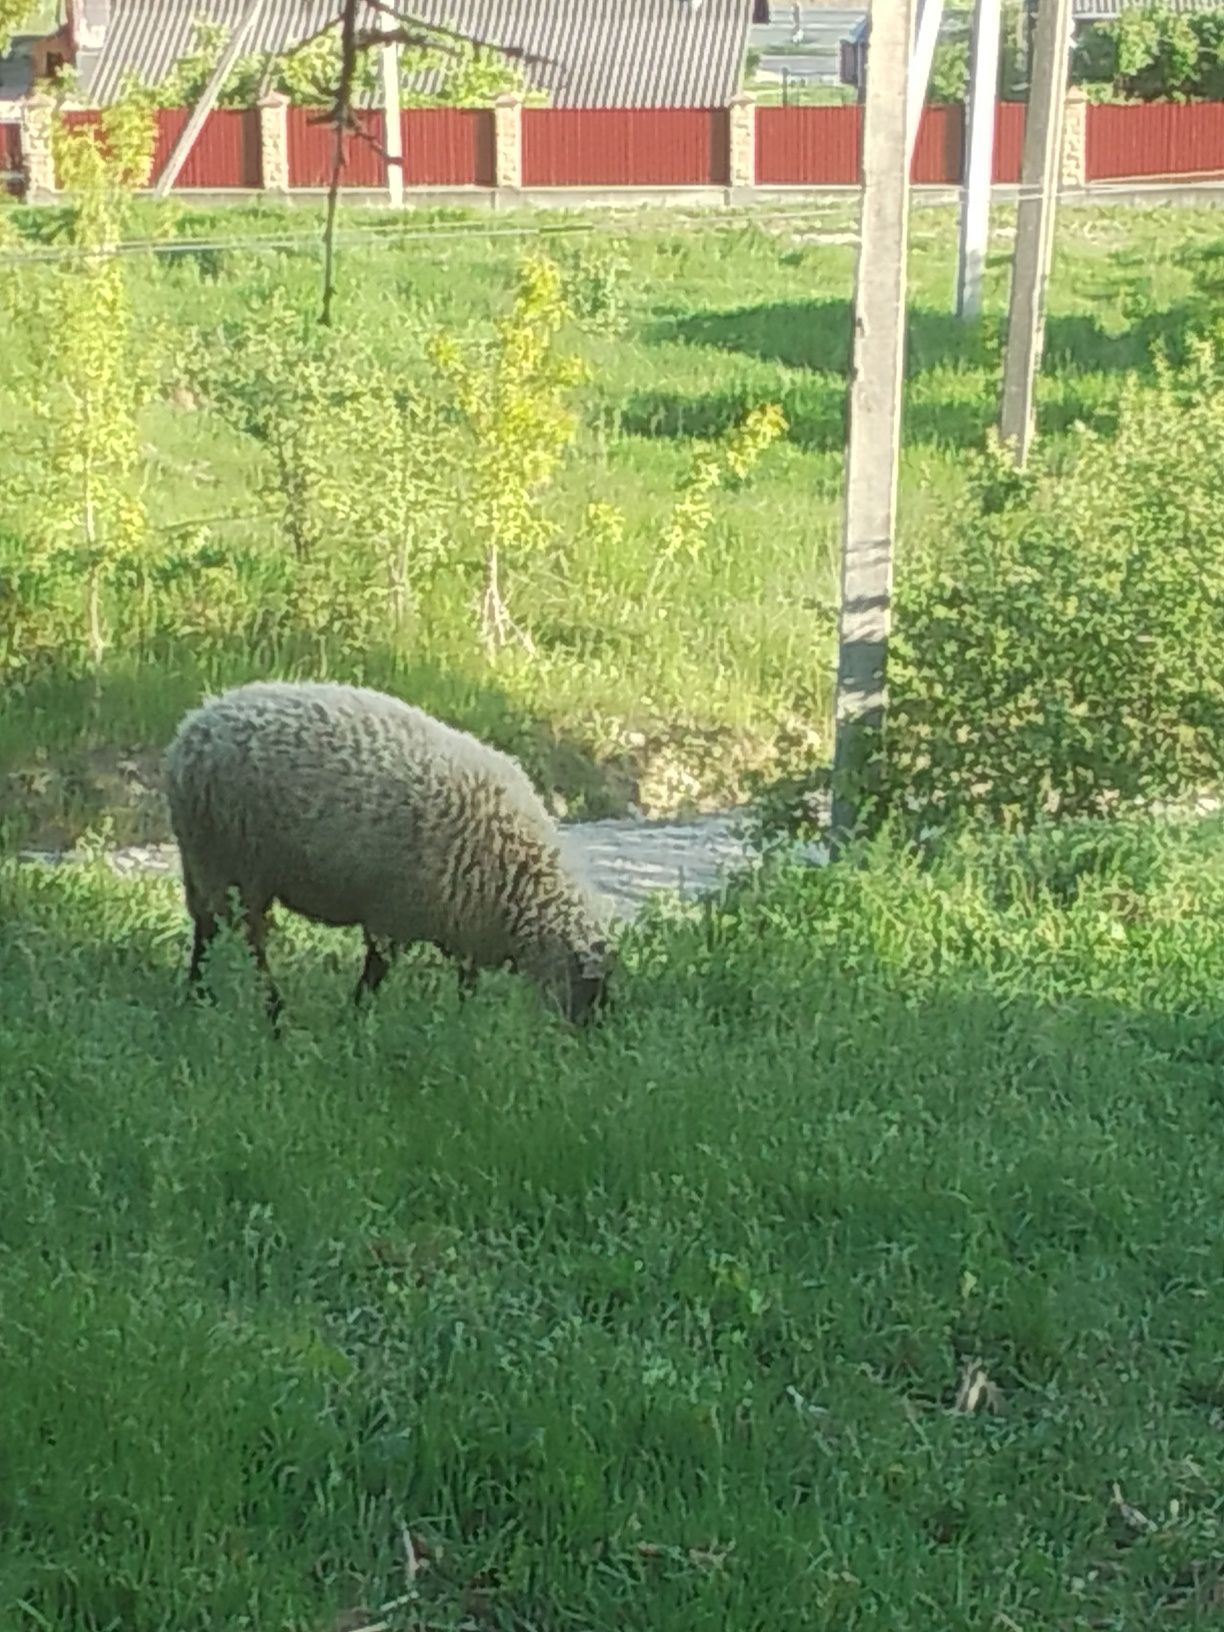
{"points": [[352, 807]]}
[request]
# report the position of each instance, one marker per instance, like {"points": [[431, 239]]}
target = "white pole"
{"points": [[874, 431], [393, 134], [1039, 182], [979, 158]]}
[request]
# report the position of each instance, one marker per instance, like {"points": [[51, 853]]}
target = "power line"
{"points": [[395, 234], [677, 220]]}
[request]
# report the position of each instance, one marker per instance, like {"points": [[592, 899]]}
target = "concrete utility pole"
{"points": [[926, 37], [191, 130], [979, 158], [873, 441], [393, 140], [1034, 250]]}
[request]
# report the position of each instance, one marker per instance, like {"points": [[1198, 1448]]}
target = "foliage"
{"points": [[83, 483], [661, 689], [461, 75], [356, 463], [949, 71], [1151, 54], [458, 74], [13, 15], [514, 398], [1059, 652], [740, 451], [594, 284], [628, 1331]]}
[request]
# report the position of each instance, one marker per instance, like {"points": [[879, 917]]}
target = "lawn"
{"points": [[662, 691], [914, 1318]]}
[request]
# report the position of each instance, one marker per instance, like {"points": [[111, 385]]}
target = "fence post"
{"points": [[274, 143], [741, 148], [508, 147], [1074, 167], [37, 157]]}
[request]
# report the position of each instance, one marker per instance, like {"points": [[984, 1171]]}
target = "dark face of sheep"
{"points": [[585, 995]]}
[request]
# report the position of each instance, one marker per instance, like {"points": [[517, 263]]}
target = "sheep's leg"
{"points": [[378, 962], [255, 925], [468, 974], [465, 970], [205, 930]]}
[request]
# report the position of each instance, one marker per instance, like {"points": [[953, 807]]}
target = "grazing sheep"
{"points": [[352, 807]]}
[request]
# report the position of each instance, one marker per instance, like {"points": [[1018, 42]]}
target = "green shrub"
{"points": [[1059, 652]]}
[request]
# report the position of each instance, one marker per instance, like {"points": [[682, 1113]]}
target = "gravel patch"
{"points": [[627, 858]]}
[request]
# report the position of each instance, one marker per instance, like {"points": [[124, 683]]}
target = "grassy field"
{"points": [[663, 692], [866, 1270]]}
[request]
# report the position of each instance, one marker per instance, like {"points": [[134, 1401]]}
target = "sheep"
{"points": [[351, 807]]}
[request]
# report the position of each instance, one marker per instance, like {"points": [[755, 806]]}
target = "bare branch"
{"points": [[515, 52], [412, 31]]}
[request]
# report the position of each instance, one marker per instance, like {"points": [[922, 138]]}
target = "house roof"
{"points": [[594, 53]]}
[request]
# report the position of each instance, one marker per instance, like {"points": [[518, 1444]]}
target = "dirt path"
{"points": [[627, 859]]}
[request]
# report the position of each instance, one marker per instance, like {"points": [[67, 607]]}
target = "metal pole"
{"points": [[873, 441], [979, 158], [1035, 223], [393, 141], [191, 130]]}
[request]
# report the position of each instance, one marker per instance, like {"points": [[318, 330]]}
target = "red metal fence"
{"points": [[1009, 141], [659, 147], [798, 147], [312, 149], [624, 147], [938, 152], [807, 146], [448, 147], [225, 154], [1155, 139]]}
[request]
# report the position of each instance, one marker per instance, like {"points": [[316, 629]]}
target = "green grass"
{"points": [[655, 692], [656, 1328]]}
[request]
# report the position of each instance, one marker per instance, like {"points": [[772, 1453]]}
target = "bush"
{"points": [[1151, 54], [1059, 653]]}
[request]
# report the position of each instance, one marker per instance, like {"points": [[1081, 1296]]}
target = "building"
{"points": [[580, 53]]}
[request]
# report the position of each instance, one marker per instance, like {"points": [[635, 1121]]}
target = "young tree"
{"points": [[86, 398], [514, 399]]}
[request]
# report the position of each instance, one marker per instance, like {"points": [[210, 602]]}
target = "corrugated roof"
{"points": [[595, 53]]}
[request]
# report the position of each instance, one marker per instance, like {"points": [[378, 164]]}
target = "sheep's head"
{"points": [[576, 982], [586, 994]]}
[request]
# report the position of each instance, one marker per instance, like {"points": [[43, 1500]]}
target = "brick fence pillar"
{"points": [[508, 146], [274, 143], [741, 146], [1074, 168], [37, 157]]}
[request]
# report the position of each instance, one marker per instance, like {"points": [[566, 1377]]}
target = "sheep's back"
{"points": [[350, 806]]}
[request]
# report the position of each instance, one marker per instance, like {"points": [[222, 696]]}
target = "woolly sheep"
{"points": [[352, 807]]}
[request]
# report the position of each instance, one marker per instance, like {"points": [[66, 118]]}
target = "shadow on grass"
{"points": [[815, 410], [78, 751], [813, 338], [816, 335]]}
